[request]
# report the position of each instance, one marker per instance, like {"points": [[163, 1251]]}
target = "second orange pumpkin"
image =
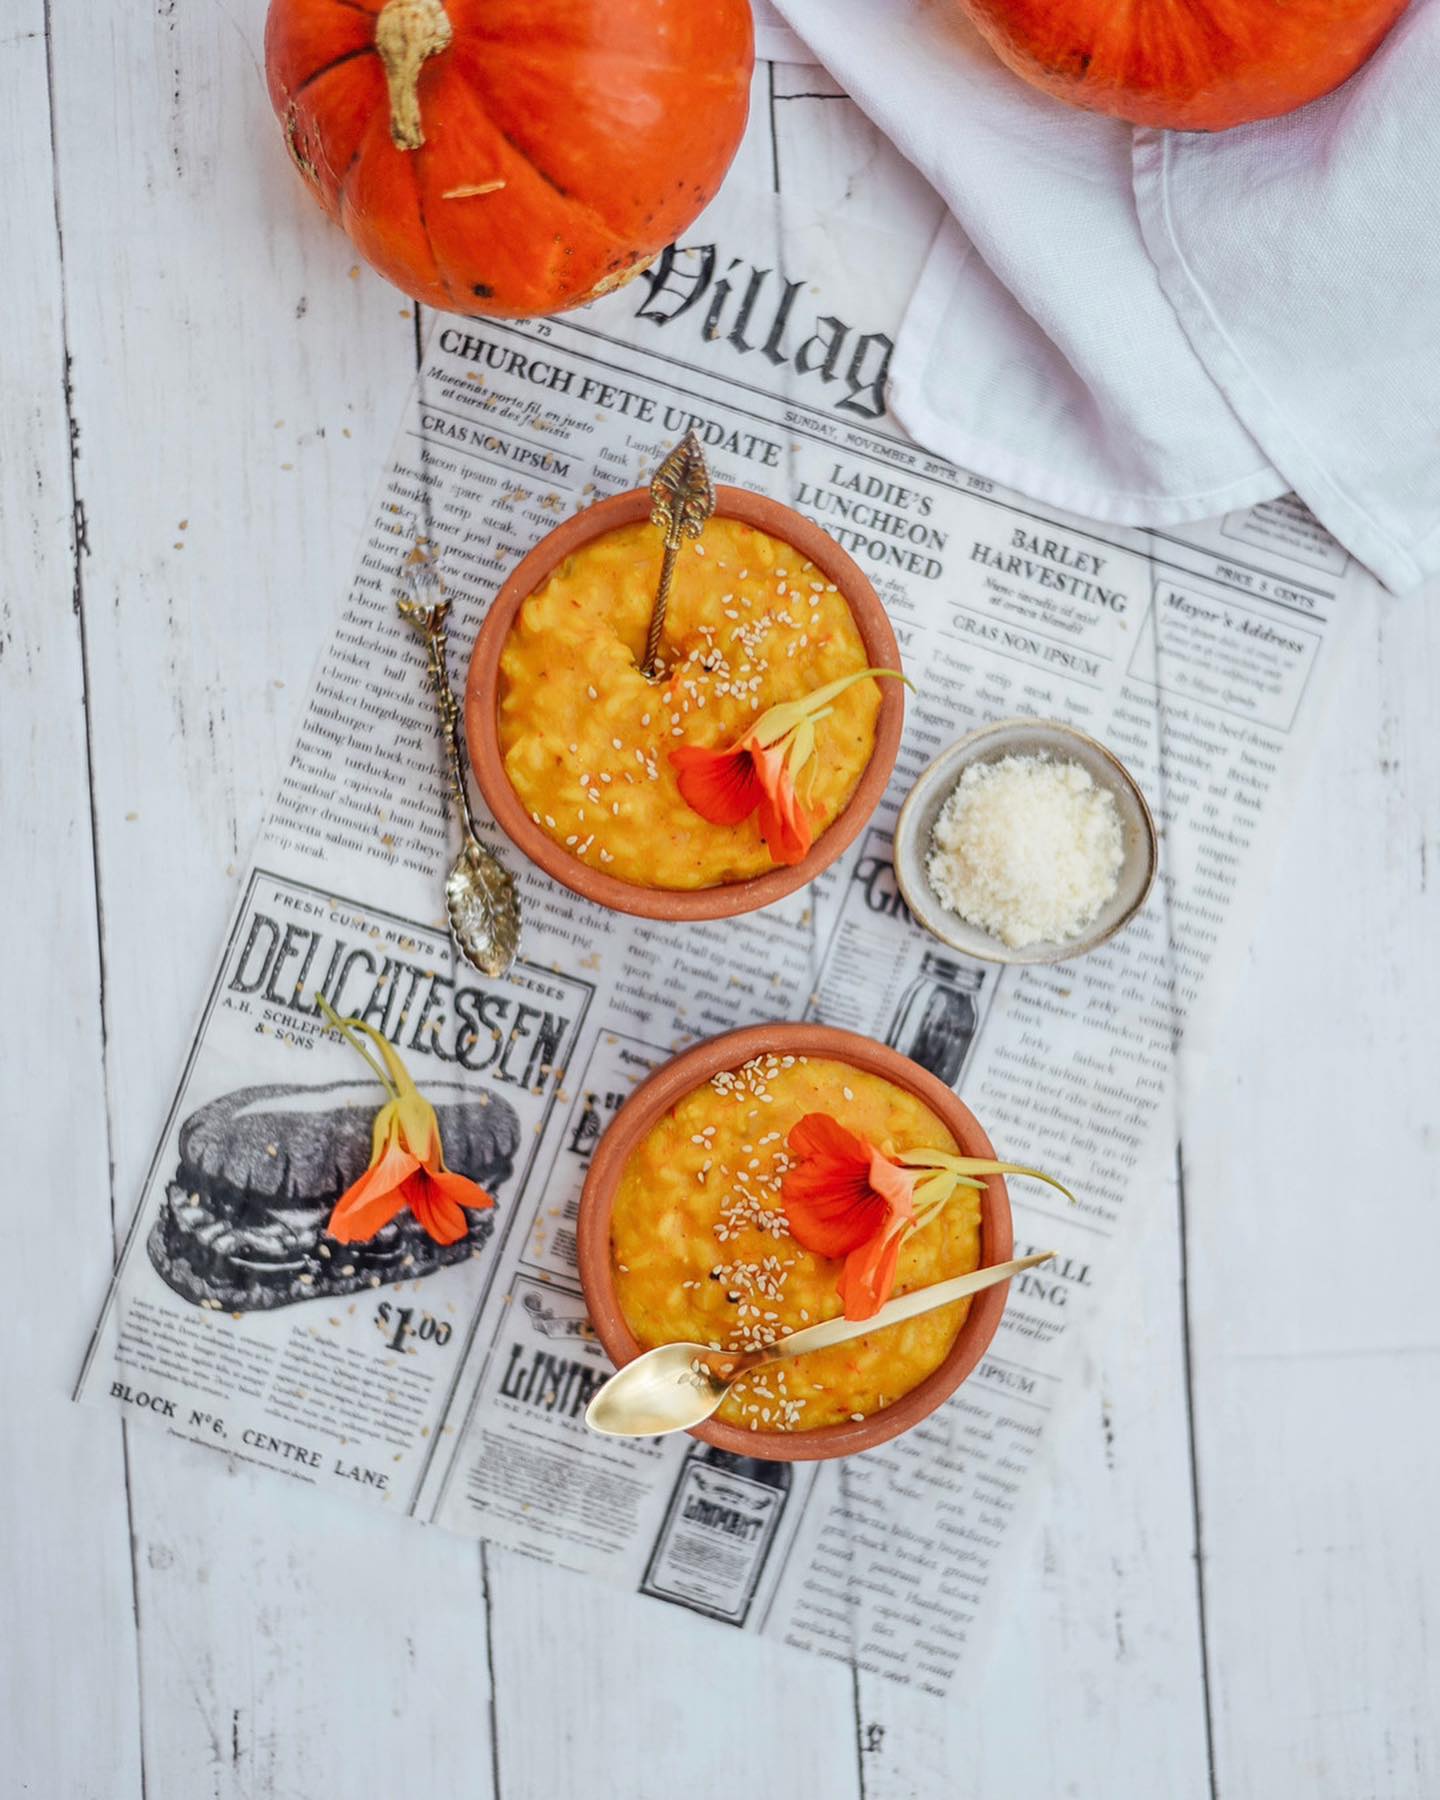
{"points": [[1193, 65]]}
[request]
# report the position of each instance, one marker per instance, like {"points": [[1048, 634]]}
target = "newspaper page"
{"points": [[450, 1384], [774, 40]]}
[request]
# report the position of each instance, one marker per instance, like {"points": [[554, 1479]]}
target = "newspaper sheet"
{"points": [[452, 1391]]}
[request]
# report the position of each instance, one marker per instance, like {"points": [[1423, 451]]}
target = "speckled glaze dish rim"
{"points": [[689, 1070], [909, 855], [482, 696]]}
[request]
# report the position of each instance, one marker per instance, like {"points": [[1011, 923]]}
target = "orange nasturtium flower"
{"points": [[759, 769], [844, 1197], [407, 1162]]}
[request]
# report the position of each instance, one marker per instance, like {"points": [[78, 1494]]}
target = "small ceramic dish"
{"points": [[482, 696], [1023, 737], [670, 1084]]}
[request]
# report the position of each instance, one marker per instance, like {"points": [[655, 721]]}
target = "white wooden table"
{"points": [[1235, 1588]]}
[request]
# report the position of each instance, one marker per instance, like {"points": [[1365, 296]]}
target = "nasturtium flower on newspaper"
{"points": [[407, 1159]]}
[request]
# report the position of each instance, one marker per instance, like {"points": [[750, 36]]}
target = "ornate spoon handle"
{"points": [[430, 623], [480, 896], [682, 498]]}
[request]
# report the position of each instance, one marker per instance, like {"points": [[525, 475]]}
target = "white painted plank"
{"points": [[235, 393], [68, 1717], [1096, 1670], [1315, 1234], [629, 1672], [294, 1645], [1100, 1660], [657, 1704]]}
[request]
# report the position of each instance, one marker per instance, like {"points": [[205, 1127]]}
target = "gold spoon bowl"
{"points": [[676, 1387]]}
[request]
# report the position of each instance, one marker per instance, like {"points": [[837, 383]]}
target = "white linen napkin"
{"points": [[1150, 327]]}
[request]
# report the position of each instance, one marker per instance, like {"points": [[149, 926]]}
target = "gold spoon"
{"points": [[682, 498], [675, 1387], [480, 897]]}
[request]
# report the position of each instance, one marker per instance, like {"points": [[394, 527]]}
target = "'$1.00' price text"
{"points": [[404, 1328]]}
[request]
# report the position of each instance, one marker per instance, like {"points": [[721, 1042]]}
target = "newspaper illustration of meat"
{"points": [[242, 1227]]}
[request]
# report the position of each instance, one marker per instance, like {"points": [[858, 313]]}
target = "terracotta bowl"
{"points": [[482, 698], [685, 1073]]}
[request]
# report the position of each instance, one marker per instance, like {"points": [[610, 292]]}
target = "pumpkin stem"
{"points": [[406, 32]]}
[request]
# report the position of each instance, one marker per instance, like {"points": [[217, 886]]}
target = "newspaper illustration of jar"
{"points": [[718, 1530], [936, 1020]]}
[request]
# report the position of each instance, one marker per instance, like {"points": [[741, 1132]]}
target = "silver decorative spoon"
{"points": [[678, 1386], [480, 897]]}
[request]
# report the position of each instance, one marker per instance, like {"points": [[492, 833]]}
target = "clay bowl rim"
{"points": [[676, 1078], [482, 694]]}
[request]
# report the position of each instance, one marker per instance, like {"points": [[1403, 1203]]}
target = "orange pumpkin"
{"points": [[511, 157], [1193, 65]]}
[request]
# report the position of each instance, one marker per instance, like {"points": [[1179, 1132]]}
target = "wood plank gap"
{"points": [[135, 1605], [1177, 1027], [490, 1668], [774, 135], [859, 1723], [1194, 1466], [79, 549]]}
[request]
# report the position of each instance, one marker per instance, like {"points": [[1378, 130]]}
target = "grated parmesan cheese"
{"points": [[1027, 848]]}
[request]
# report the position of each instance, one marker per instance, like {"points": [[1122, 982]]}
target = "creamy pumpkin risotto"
{"points": [[700, 1249], [586, 738]]}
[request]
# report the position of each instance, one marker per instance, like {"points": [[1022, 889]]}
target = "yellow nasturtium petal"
{"points": [[783, 718], [963, 1167], [802, 747], [384, 1132]]}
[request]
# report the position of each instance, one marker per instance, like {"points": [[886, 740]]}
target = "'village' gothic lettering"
{"points": [[762, 319]]}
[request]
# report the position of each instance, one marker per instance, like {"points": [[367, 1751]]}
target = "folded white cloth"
{"points": [[1150, 327]]}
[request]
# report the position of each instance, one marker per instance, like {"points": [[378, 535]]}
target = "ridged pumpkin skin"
{"points": [[510, 157], [1192, 65]]}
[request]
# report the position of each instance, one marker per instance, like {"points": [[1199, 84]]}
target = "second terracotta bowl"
{"points": [[649, 1103], [482, 698]]}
